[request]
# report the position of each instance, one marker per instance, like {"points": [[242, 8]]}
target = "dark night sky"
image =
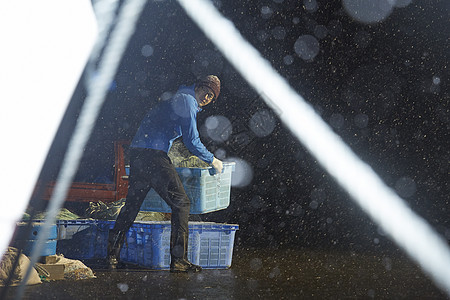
{"points": [[382, 87]]}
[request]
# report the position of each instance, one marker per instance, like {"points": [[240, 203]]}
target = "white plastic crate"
{"points": [[216, 245], [207, 191], [210, 244], [67, 228]]}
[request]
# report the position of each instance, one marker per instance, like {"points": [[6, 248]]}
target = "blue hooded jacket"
{"points": [[171, 119]]}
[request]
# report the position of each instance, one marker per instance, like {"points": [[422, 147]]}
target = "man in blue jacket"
{"points": [[150, 167]]}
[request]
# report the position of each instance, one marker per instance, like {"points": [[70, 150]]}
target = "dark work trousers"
{"points": [[153, 169]]}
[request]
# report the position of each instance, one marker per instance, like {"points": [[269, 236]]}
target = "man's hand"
{"points": [[217, 165]]}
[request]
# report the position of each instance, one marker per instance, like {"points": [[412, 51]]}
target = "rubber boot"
{"points": [[115, 243], [179, 249], [183, 266]]}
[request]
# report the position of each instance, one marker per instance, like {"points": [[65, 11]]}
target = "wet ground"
{"points": [[259, 274]]}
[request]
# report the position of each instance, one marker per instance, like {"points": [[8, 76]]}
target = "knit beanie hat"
{"points": [[212, 82]]}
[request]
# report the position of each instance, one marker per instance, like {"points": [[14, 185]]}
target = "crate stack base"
{"points": [[148, 243]]}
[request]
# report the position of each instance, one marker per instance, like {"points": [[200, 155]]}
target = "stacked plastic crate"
{"points": [[148, 243]]}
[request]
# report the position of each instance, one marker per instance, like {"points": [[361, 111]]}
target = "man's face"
{"points": [[204, 96]]}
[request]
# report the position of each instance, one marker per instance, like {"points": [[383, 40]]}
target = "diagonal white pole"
{"points": [[407, 229], [97, 90]]}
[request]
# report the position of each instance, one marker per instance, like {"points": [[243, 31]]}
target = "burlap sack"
{"points": [[6, 265]]}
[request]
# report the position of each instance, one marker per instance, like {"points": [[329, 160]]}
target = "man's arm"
{"points": [[189, 130]]}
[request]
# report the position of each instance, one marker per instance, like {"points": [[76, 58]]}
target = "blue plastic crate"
{"points": [[87, 239], [207, 191], [78, 239], [49, 247], [148, 245], [35, 228], [29, 240]]}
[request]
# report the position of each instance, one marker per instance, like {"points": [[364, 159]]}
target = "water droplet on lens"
{"points": [[288, 60], [256, 264], [361, 120], [405, 187], [279, 33], [243, 173], [337, 121], [147, 50], [220, 153], [262, 35], [307, 47], [436, 80], [313, 204], [262, 123], [123, 287], [402, 3], [310, 5], [266, 12], [320, 31], [368, 11], [218, 128]]}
